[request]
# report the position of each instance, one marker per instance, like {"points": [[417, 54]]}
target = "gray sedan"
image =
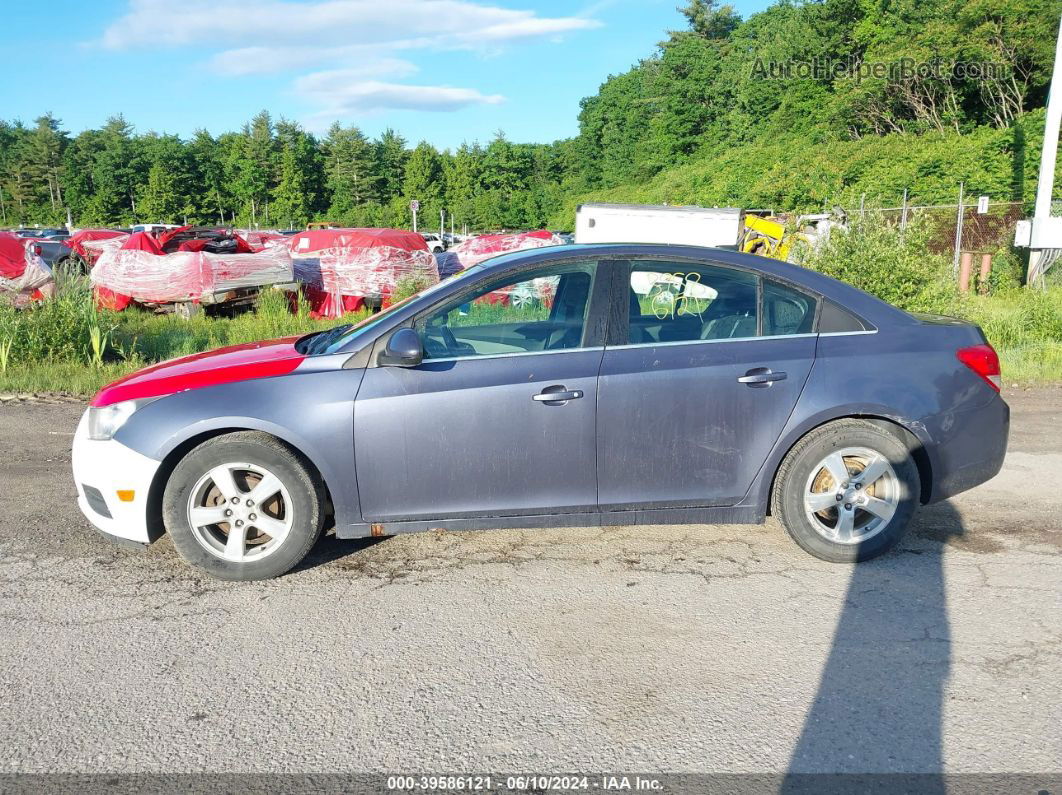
{"points": [[572, 385]]}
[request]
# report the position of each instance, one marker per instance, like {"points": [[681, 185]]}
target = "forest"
{"points": [[725, 112]]}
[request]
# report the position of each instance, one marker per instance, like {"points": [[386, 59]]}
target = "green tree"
{"points": [[251, 166], [299, 180], [116, 169], [159, 200], [210, 195], [424, 181], [710, 22], [390, 165], [41, 160], [350, 172]]}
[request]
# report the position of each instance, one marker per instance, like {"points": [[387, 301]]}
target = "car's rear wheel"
{"points": [[242, 506], [847, 491]]}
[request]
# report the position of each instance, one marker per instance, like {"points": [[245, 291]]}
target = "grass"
{"points": [[67, 345], [1025, 327]]}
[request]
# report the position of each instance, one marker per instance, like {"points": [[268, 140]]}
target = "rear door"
{"points": [[500, 418], [698, 379]]}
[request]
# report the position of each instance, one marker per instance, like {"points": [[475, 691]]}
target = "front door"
{"points": [[500, 418], [697, 387]]}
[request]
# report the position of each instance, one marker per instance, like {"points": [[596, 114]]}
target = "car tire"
{"points": [[856, 521], [288, 520]]}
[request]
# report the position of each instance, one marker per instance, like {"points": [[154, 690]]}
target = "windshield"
{"points": [[331, 341]]}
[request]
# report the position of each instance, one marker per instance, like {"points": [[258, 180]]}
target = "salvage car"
{"points": [[348, 269], [24, 276], [757, 388], [55, 251], [185, 269]]}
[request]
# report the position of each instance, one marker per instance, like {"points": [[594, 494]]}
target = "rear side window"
{"points": [[786, 311], [683, 301], [835, 320]]}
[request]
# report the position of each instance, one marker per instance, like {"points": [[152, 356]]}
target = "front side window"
{"points": [[529, 312], [682, 301]]}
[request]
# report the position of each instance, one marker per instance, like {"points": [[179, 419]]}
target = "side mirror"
{"points": [[403, 349]]}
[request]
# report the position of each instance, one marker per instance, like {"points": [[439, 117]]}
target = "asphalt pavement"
{"points": [[706, 648]]}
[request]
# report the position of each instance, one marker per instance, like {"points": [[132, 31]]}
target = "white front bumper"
{"points": [[110, 467]]}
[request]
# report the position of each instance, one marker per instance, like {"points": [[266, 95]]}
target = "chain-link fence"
{"points": [[950, 231], [969, 237]]}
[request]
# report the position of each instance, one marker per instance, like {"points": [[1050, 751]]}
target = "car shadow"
{"points": [[876, 719], [329, 549]]}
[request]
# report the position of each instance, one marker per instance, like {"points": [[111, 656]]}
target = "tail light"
{"points": [[38, 249], [982, 359]]}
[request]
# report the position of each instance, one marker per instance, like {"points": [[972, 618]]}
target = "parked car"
{"points": [[186, 269], [54, 250], [435, 243], [347, 270], [41, 233], [757, 388]]}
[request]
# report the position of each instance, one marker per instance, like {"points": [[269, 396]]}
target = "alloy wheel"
{"points": [[851, 495]]}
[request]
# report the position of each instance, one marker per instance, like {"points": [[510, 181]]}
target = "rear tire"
{"points": [[850, 520], [243, 506]]}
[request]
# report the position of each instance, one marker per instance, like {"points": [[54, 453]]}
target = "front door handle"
{"points": [[557, 395], [759, 377]]}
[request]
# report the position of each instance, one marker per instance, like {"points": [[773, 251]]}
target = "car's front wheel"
{"points": [[242, 506], [847, 491]]}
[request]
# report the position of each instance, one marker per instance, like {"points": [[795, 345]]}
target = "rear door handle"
{"points": [[760, 377], [557, 395]]}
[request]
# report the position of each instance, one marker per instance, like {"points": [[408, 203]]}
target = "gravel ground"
{"points": [[708, 648]]}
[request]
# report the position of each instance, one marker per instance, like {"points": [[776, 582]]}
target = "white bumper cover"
{"points": [[110, 467]]}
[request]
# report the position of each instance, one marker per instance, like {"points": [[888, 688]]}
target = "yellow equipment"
{"points": [[768, 237]]}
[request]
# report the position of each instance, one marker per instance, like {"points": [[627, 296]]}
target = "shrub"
{"points": [[895, 266], [408, 286]]}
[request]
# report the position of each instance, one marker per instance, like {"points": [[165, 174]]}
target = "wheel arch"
{"points": [[891, 424], [156, 528]]}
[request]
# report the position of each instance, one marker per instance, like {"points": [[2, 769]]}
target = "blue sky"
{"points": [[441, 70]]}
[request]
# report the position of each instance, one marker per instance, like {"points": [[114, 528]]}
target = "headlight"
{"points": [[104, 421]]}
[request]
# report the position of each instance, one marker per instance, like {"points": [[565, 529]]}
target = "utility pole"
{"points": [[1046, 181]]}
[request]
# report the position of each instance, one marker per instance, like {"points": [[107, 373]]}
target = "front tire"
{"points": [[847, 491], [243, 506]]}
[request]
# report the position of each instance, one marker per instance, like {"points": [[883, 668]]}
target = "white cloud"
{"points": [[260, 60], [359, 38], [342, 93], [334, 28]]}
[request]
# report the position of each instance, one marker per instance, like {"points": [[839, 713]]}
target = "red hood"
{"points": [[222, 366]]}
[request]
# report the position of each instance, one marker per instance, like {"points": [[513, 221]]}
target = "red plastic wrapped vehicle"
{"points": [[260, 238], [178, 268], [342, 270], [90, 243], [472, 252], [22, 272]]}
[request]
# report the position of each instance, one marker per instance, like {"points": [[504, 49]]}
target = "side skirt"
{"points": [[676, 516]]}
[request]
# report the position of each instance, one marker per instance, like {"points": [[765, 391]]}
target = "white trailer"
{"points": [[650, 223]]}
